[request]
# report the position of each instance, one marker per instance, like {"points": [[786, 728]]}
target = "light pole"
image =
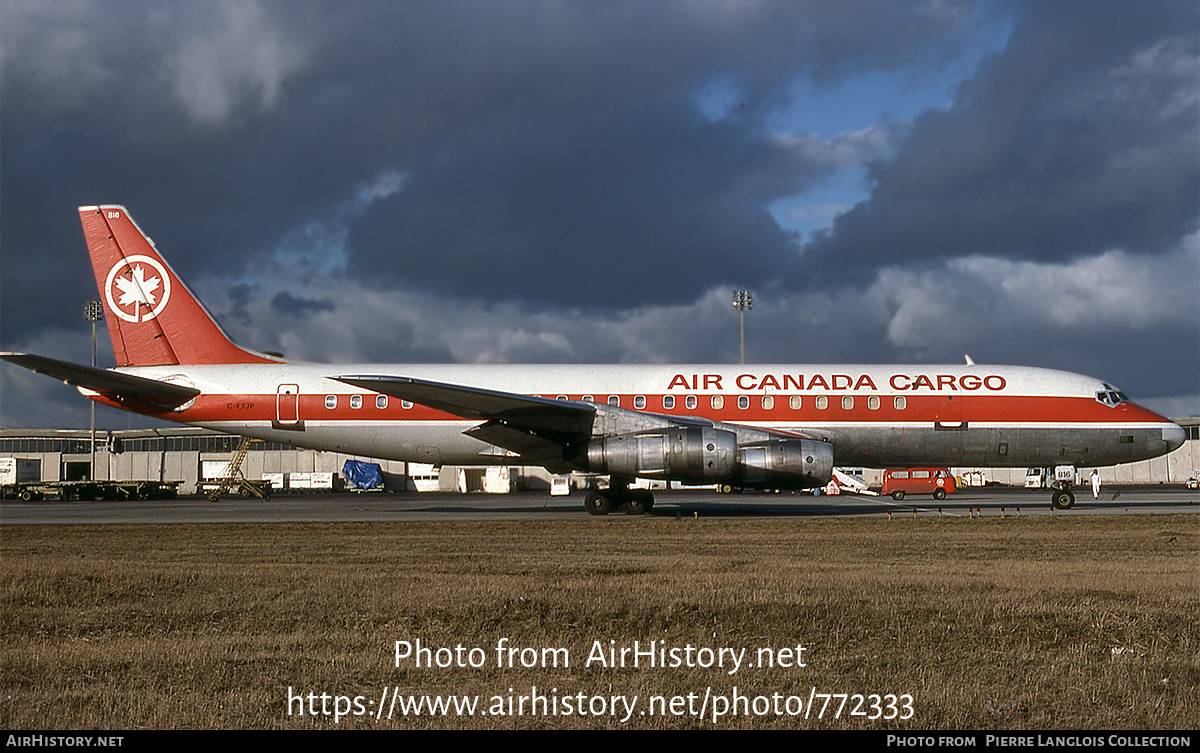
{"points": [[93, 311], [742, 300]]}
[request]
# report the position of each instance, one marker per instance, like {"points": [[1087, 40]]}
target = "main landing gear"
{"points": [[618, 496]]}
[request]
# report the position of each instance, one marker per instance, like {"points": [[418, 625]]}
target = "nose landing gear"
{"points": [[1062, 497]]}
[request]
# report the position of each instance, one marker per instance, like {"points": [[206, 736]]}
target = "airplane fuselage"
{"points": [[874, 416]]}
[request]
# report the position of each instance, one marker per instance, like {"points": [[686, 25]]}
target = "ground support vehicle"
{"points": [[240, 487], [936, 481], [34, 491]]}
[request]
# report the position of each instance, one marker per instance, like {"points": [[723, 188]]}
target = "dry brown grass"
{"points": [[1083, 622]]}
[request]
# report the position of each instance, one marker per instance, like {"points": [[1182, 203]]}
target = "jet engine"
{"points": [[693, 455], [696, 455], [785, 464]]}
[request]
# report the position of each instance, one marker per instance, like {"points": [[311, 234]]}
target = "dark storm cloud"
{"points": [[224, 125], [290, 305], [540, 181], [648, 205], [571, 165], [1081, 136]]}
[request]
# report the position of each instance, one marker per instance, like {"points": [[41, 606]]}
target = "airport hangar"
{"points": [[190, 455]]}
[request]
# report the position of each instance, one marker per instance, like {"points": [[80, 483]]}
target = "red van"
{"points": [[935, 481]]}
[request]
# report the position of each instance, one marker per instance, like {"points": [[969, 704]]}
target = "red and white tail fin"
{"points": [[152, 316]]}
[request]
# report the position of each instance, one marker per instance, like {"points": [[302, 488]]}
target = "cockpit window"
{"points": [[1111, 396]]}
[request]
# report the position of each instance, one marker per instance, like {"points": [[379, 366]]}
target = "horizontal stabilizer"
{"points": [[111, 384]]}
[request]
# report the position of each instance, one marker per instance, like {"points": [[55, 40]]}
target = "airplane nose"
{"points": [[1173, 435]]}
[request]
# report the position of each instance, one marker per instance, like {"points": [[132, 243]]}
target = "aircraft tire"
{"points": [[1063, 499], [897, 495], [639, 502], [597, 504]]}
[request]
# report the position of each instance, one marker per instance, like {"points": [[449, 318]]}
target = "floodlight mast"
{"points": [[742, 300], [93, 311]]}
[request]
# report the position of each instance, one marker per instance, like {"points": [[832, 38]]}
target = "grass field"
{"points": [[1066, 622]]}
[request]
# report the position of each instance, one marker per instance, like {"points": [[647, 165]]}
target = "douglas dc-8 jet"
{"points": [[746, 427]]}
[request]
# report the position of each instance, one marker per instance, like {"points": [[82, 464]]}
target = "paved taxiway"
{"points": [[368, 507]]}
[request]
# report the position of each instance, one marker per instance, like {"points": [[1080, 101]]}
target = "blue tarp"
{"points": [[362, 475]]}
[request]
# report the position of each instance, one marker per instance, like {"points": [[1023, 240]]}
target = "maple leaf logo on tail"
{"points": [[136, 281], [137, 289]]}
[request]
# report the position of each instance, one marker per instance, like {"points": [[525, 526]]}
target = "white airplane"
{"points": [[751, 427]]}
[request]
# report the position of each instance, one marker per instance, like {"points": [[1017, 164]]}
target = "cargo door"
{"points": [[950, 430], [950, 414], [287, 405]]}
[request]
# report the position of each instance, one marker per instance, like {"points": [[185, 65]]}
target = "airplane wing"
{"points": [[541, 430], [535, 428], [111, 384], [539, 414]]}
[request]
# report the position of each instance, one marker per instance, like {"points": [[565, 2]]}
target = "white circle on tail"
{"points": [[137, 282]]}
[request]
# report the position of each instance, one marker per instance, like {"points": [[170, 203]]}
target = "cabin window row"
{"points": [[356, 402], [690, 402], [795, 402]]}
